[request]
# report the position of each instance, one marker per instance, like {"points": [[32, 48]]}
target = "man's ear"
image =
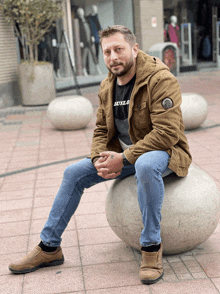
{"points": [[135, 49]]}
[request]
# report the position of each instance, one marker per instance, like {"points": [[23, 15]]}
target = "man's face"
{"points": [[119, 55]]}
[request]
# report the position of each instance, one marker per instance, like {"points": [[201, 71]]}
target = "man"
{"points": [[139, 130]]}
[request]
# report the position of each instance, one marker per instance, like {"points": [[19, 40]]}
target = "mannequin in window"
{"points": [[173, 30], [86, 41], [95, 26], [165, 33]]}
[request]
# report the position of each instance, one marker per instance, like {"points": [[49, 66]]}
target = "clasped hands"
{"points": [[109, 165]]}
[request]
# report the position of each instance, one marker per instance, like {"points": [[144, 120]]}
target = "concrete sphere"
{"points": [[190, 212], [194, 110], [70, 112]]}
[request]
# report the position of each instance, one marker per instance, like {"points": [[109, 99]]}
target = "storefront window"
{"points": [[82, 21], [192, 26]]}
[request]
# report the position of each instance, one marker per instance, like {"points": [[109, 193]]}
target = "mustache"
{"points": [[115, 64]]}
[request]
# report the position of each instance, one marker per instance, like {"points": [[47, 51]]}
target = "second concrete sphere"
{"points": [[194, 110], [70, 112]]}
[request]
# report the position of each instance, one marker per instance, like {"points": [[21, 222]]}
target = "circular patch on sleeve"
{"points": [[167, 103]]}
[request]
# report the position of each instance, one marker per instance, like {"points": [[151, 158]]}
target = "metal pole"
{"points": [[71, 62]]}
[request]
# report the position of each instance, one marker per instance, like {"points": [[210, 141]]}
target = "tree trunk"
{"points": [[31, 49], [36, 52]]}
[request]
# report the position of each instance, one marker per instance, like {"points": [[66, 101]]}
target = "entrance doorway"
{"points": [[205, 37]]}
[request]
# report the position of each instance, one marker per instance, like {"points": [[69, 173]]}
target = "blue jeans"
{"points": [[148, 170]]}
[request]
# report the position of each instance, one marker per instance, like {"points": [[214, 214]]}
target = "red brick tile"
{"points": [[50, 175], [91, 221], [15, 215], [15, 204], [10, 195], [210, 264], [48, 183], [97, 236], [142, 289], [90, 196], [17, 186], [185, 287], [72, 256], [13, 244], [90, 208], [111, 274], [20, 159], [97, 188], [45, 192], [106, 253], [11, 284], [21, 177], [14, 229], [43, 201], [41, 212], [54, 280], [216, 282]]}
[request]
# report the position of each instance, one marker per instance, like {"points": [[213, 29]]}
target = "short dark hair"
{"points": [[109, 31]]}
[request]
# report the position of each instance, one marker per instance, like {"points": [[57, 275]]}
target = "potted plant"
{"points": [[32, 19]]}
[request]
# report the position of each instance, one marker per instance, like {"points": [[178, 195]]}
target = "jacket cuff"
{"points": [[129, 156], [94, 159]]}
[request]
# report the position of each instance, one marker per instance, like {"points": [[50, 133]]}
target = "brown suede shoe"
{"points": [[151, 269], [36, 259]]}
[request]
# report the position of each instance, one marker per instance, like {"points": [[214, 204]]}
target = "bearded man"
{"points": [[139, 130]]}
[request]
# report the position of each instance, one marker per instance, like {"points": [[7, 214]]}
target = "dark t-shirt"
{"points": [[122, 95]]}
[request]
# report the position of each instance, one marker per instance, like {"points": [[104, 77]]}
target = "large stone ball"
{"points": [[194, 110], [190, 212], [70, 112]]}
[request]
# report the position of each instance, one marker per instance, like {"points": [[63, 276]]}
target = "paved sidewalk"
{"points": [[33, 157]]}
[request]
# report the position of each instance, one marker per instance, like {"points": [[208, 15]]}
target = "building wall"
{"points": [[144, 11], [9, 91]]}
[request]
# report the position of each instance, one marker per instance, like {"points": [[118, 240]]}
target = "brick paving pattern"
{"points": [[33, 157]]}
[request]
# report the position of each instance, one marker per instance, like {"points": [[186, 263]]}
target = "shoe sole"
{"points": [[148, 282], [33, 269]]}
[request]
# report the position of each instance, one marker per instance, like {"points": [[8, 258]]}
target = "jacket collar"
{"points": [[146, 66]]}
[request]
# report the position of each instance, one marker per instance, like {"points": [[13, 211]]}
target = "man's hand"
{"points": [[109, 165]]}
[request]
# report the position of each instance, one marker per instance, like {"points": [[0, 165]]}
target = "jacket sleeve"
{"points": [[99, 141], [166, 123]]}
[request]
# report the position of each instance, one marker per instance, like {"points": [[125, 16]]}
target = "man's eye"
{"points": [[119, 49]]}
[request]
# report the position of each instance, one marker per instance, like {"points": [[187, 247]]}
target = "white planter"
{"points": [[36, 83]]}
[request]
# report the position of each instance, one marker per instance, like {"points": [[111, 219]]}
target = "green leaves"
{"points": [[35, 17]]}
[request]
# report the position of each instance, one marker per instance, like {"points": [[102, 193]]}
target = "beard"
{"points": [[121, 72]]}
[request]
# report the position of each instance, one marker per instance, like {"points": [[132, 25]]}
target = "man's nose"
{"points": [[113, 55]]}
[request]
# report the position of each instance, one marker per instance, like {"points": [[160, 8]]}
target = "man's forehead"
{"points": [[113, 40]]}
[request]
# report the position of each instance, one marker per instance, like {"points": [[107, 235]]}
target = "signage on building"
{"points": [[154, 22]]}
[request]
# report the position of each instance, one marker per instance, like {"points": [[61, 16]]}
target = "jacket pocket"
{"points": [[141, 116]]}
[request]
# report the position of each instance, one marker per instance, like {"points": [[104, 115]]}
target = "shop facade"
{"points": [[74, 42], [194, 25], [81, 22], [84, 18]]}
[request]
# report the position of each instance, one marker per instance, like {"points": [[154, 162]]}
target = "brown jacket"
{"points": [[151, 126]]}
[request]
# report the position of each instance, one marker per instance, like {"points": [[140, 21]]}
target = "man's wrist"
{"points": [[125, 161]]}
